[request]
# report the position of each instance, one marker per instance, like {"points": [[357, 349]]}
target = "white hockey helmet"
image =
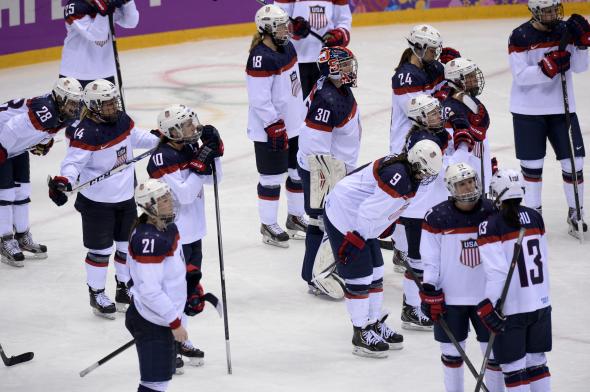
{"points": [[274, 21], [547, 12], [67, 92], [423, 37], [155, 198], [458, 172], [102, 98], [506, 184], [466, 75], [426, 159], [180, 123], [425, 110]]}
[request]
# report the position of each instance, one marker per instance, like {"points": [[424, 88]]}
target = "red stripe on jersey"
{"points": [[35, 122], [430, 229], [349, 117], [508, 236], [115, 141], [542, 45], [318, 127], [384, 187], [340, 2], [263, 74], [416, 89], [71, 19], [165, 170], [155, 259]]}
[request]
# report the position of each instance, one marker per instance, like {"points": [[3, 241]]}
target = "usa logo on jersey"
{"points": [[469, 253], [317, 17], [121, 156], [295, 85]]}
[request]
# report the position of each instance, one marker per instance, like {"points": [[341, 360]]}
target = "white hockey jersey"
{"points": [[323, 16], [332, 126], [96, 148], [88, 48], [533, 92], [274, 91], [529, 287]]}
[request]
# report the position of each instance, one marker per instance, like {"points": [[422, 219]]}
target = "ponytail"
{"points": [[406, 56], [139, 221], [256, 39], [509, 212]]}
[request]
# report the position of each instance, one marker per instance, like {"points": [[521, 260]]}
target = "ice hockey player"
{"points": [[276, 112], [158, 286], [28, 125], [523, 324], [329, 145], [87, 53], [186, 168], [361, 207], [103, 139], [330, 19], [453, 274], [537, 101]]}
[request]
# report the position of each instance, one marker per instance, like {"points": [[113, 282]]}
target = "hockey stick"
{"points": [[117, 64], [109, 173], [107, 358], [15, 359], [483, 174], [221, 271], [568, 123], [500, 305], [445, 327], [263, 2]]}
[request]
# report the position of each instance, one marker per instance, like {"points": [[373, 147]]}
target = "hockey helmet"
{"points": [[466, 75], [425, 157], [155, 198], [423, 37], [425, 110], [180, 123], [274, 21], [457, 173], [338, 63], [506, 184], [102, 99], [67, 92], [546, 12]]}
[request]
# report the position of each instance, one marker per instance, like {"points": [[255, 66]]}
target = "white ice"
{"points": [[281, 337]]}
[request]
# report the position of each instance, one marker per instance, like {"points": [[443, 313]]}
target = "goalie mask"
{"points": [[180, 124], [547, 12], [425, 158], [465, 75], [67, 92], [425, 111], [425, 42], [274, 21], [338, 63], [102, 99], [506, 184], [155, 198], [463, 183]]}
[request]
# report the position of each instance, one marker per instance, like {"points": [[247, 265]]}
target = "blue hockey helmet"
{"points": [[339, 64]]}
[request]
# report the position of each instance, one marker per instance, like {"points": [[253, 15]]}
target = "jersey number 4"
{"points": [[534, 251]]}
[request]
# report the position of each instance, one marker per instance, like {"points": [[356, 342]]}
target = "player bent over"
{"points": [[103, 139], [453, 274], [523, 327], [158, 286], [28, 125], [363, 206]]}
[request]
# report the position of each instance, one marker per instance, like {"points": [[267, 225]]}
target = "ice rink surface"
{"points": [[282, 338]]}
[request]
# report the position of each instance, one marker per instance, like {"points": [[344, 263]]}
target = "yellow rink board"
{"points": [[236, 30]]}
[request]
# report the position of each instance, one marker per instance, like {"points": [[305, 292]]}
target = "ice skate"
{"points": [[196, 357], [10, 252], [122, 298], [386, 244], [26, 244], [296, 226], [398, 264], [274, 235], [395, 340], [414, 319], [366, 343], [102, 306], [574, 225]]}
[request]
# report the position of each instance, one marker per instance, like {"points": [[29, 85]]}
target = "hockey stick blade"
{"points": [[15, 359]]}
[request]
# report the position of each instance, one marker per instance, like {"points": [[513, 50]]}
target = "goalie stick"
{"points": [[15, 359]]}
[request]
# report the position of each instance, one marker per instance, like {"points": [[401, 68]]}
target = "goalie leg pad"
{"points": [[325, 172]]}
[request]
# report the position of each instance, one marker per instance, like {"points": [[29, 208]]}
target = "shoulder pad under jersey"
{"points": [[394, 178], [149, 245], [43, 113]]}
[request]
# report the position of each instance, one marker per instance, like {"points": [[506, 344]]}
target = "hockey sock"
{"points": [[376, 295], [152, 386], [515, 376], [313, 240], [121, 266], [452, 367], [538, 373], [6, 211], [493, 377], [20, 208], [532, 173], [568, 181], [411, 291], [294, 194], [97, 262], [357, 300], [268, 203]]}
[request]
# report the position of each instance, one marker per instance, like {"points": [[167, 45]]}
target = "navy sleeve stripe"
{"points": [[349, 117], [384, 187], [266, 73], [84, 146]]}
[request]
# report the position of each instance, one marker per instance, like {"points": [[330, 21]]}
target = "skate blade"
{"points": [[194, 361], [121, 307], [395, 346], [13, 263], [414, 327], [296, 234], [363, 352], [268, 241], [35, 256], [108, 316]]}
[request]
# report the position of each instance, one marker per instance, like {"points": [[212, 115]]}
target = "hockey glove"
{"points": [[447, 54], [42, 149], [461, 132], [57, 187], [433, 302], [479, 123], [555, 62], [443, 93], [202, 160], [277, 136], [196, 297], [494, 165], [301, 27], [336, 37], [579, 28], [3, 155], [490, 317], [351, 247], [102, 7], [210, 137]]}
